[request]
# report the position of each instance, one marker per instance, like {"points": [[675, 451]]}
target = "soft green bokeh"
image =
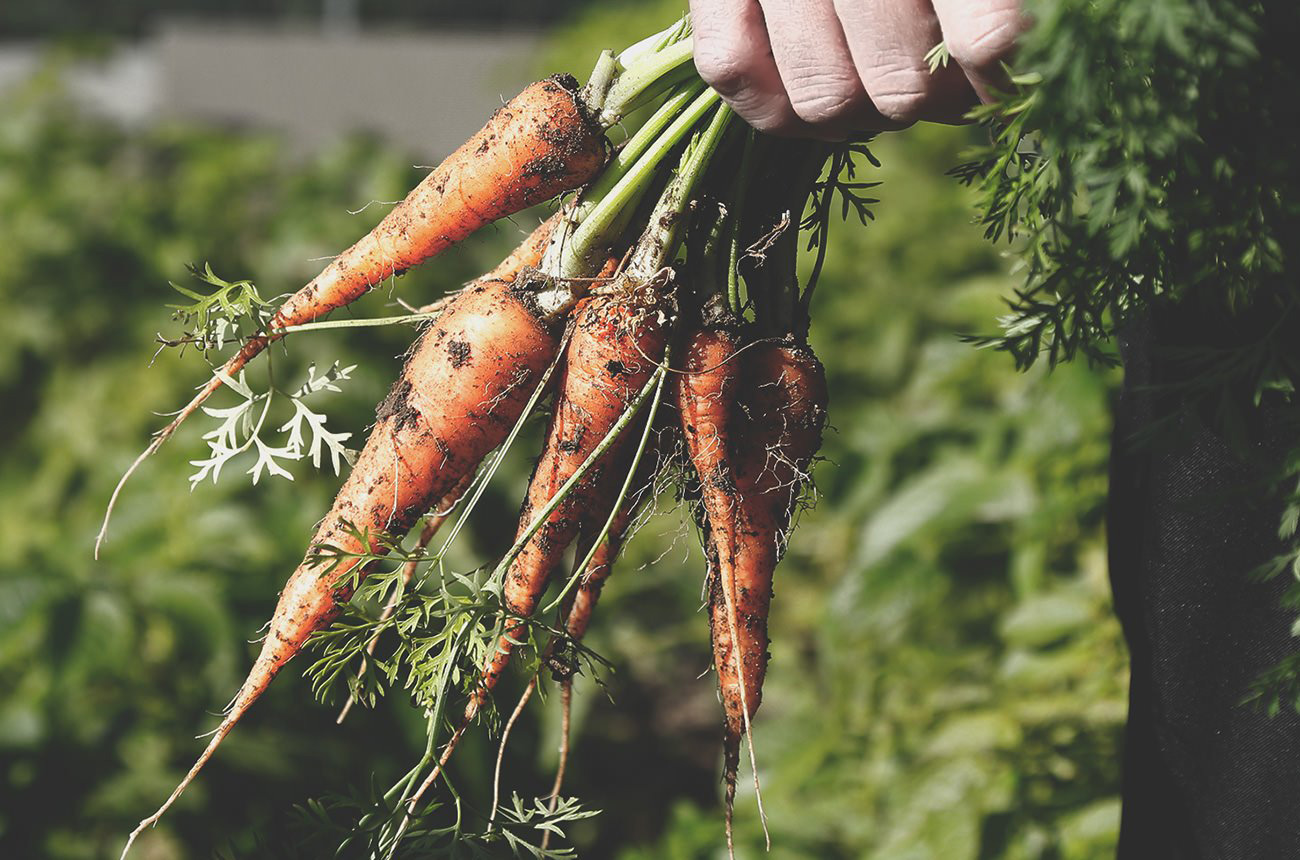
{"points": [[947, 681]]}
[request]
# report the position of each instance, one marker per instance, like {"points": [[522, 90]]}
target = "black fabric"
{"points": [[1203, 776]]}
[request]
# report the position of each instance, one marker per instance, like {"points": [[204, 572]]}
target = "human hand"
{"points": [[826, 68]]}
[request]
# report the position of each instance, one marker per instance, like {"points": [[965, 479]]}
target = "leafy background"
{"points": [[948, 680]]}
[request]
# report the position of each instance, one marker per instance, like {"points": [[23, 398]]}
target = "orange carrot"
{"points": [[540, 144], [778, 430], [463, 388], [579, 609], [615, 344], [706, 396]]}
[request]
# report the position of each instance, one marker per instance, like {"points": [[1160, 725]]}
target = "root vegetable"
{"points": [[778, 431], [462, 389], [613, 351], [542, 143]]}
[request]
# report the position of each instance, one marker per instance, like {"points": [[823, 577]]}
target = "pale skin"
{"points": [[830, 68]]}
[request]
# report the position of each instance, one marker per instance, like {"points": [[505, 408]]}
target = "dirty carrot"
{"points": [[778, 431], [783, 405], [463, 388], [706, 394], [611, 355], [540, 144]]}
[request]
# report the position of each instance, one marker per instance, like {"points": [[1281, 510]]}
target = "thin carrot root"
{"points": [[501, 748], [228, 723], [539, 145], [566, 725], [730, 770], [566, 718]]}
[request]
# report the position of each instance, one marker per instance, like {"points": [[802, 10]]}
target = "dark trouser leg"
{"points": [[1204, 777]]}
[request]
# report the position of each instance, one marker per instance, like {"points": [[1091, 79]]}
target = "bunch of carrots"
{"points": [[658, 310]]}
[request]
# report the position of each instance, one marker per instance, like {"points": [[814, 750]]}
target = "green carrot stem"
{"points": [[708, 269], [706, 260], [679, 30], [629, 153], [783, 276], [739, 192], [646, 78], [773, 280], [659, 243], [814, 159], [574, 255], [600, 80], [645, 69]]}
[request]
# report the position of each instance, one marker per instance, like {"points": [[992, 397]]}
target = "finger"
{"points": [[980, 35], [889, 41], [817, 69], [733, 55]]}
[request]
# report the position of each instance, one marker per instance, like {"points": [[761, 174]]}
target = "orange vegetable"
{"points": [[614, 348], [538, 145], [462, 389]]}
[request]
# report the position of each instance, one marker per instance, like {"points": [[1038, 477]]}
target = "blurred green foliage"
{"points": [[947, 679]]}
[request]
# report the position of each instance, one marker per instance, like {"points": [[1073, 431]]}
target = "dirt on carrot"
{"points": [[778, 425], [442, 416], [539, 145], [615, 346]]}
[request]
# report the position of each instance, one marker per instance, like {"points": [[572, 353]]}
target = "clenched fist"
{"points": [[826, 68]]}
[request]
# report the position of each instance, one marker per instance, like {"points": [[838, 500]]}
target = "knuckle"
{"points": [[769, 119], [901, 107], [826, 99], [723, 66], [900, 93], [985, 41]]}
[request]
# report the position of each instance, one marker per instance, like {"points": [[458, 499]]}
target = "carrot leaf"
{"points": [[305, 434], [233, 311]]}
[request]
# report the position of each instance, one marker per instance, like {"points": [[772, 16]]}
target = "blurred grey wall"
{"points": [[424, 91]]}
